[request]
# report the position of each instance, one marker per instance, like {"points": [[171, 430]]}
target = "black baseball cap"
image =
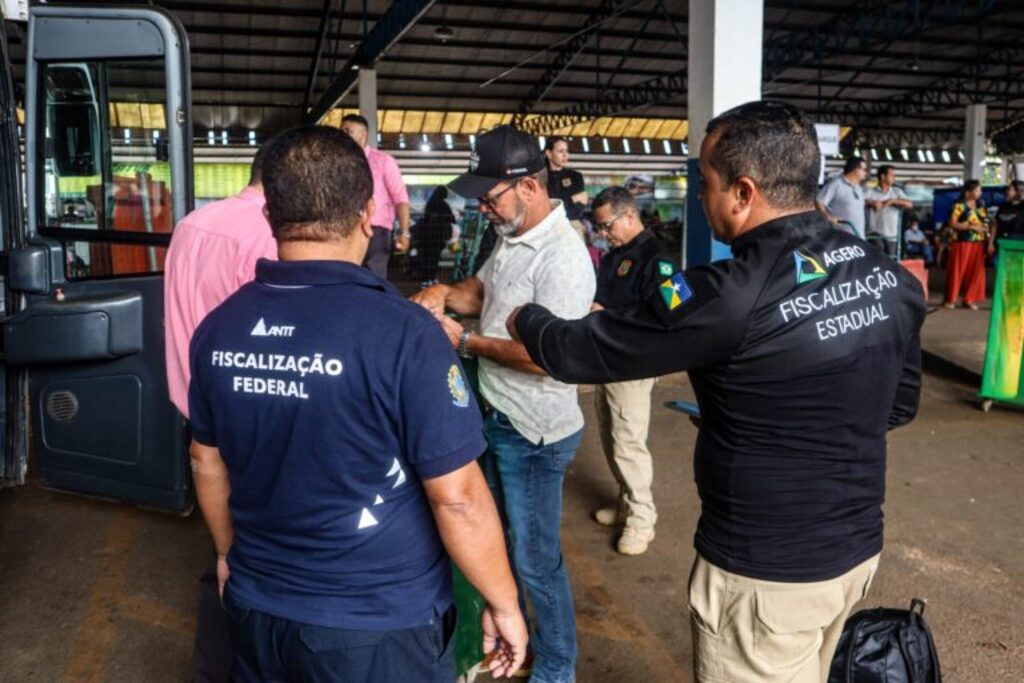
{"points": [[501, 154]]}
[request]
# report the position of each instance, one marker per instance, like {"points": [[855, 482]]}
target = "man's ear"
{"points": [[744, 190], [366, 220]]}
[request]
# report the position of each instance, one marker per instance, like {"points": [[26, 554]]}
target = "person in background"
{"points": [[969, 222], [841, 199], [1010, 219], [628, 275], [389, 196], [213, 252], [430, 235], [916, 242], [565, 183], [886, 204]]}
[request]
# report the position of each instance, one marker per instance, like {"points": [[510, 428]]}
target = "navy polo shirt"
{"points": [[330, 398]]}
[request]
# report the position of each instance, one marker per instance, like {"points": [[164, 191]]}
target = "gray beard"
{"points": [[511, 227]]}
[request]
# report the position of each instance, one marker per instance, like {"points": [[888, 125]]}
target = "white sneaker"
{"points": [[634, 541], [609, 516]]}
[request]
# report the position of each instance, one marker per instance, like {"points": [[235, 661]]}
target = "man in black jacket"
{"points": [[803, 350]]}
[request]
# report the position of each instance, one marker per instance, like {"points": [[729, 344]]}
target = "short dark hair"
{"points": [[883, 170], [771, 143], [1017, 185], [852, 163], [969, 186], [256, 169], [615, 197], [356, 118], [317, 183], [554, 140]]}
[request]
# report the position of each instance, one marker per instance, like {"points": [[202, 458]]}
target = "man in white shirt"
{"points": [[885, 209], [533, 423]]}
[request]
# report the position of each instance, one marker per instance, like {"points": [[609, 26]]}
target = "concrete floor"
{"points": [[96, 591]]}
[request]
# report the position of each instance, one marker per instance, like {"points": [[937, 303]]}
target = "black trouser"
{"points": [[379, 252], [275, 649], [213, 656]]}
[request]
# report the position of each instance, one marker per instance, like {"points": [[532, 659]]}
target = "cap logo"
{"points": [[510, 171], [474, 160]]}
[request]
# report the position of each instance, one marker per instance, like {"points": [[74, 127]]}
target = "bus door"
{"points": [[108, 174]]}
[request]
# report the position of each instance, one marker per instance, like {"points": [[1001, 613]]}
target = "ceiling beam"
{"points": [[396, 21]]}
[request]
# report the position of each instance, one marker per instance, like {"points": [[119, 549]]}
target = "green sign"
{"points": [[1003, 377]]}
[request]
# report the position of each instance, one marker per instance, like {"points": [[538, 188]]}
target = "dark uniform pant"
{"points": [[212, 657], [271, 649], [379, 252]]}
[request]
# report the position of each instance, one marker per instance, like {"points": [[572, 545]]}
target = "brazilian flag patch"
{"points": [[675, 291], [665, 268]]}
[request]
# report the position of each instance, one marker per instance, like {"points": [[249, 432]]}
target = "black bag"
{"points": [[886, 646]]}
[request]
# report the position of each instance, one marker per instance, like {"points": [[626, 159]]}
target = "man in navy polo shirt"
{"points": [[335, 445]]}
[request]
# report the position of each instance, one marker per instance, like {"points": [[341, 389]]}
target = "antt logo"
{"points": [[261, 330]]}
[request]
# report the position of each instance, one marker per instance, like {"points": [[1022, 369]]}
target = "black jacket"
{"points": [[630, 273], [803, 350]]}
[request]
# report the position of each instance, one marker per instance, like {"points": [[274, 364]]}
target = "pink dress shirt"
{"points": [[388, 187], [213, 252]]}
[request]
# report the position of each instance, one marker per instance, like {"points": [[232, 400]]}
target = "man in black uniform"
{"points": [[803, 350], [628, 274]]}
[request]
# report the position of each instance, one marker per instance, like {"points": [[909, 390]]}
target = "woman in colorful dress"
{"points": [[969, 222]]}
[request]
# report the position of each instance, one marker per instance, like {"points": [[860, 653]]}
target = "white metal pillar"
{"points": [[368, 103], [724, 70], [974, 141]]}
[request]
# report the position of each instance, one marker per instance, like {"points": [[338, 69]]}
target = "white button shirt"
{"points": [[547, 265]]}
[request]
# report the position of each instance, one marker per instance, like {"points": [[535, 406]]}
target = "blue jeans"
{"points": [[526, 480]]}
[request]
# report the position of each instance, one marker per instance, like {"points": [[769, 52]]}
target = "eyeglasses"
{"points": [[607, 225], [490, 201]]}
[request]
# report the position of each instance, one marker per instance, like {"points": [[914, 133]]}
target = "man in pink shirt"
{"points": [[389, 196], [213, 252]]}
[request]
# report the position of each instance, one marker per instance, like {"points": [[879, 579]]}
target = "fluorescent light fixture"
{"points": [[127, 135], [425, 145], [874, 154], [931, 156], [625, 146], [905, 154], [647, 146], [448, 142], [920, 155], [945, 155], [156, 135], [586, 145], [686, 148], [543, 141], [252, 137], [223, 137], [211, 138], [607, 146], [888, 154], [401, 141], [667, 146], [961, 153], [856, 153]]}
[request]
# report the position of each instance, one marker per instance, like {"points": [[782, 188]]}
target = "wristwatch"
{"points": [[463, 348]]}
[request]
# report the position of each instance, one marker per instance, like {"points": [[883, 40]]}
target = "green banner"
{"points": [[1003, 378]]}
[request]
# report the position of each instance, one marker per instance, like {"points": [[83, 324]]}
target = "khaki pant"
{"points": [[751, 631], [623, 415]]}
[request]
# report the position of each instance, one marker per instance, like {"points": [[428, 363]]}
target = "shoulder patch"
{"points": [[665, 268], [457, 387], [675, 291], [624, 267]]}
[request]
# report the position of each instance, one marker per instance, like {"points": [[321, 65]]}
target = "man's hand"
{"points": [[505, 638], [432, 298], [402, 243], [452, 328], [223, 574], [510, 323]]}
